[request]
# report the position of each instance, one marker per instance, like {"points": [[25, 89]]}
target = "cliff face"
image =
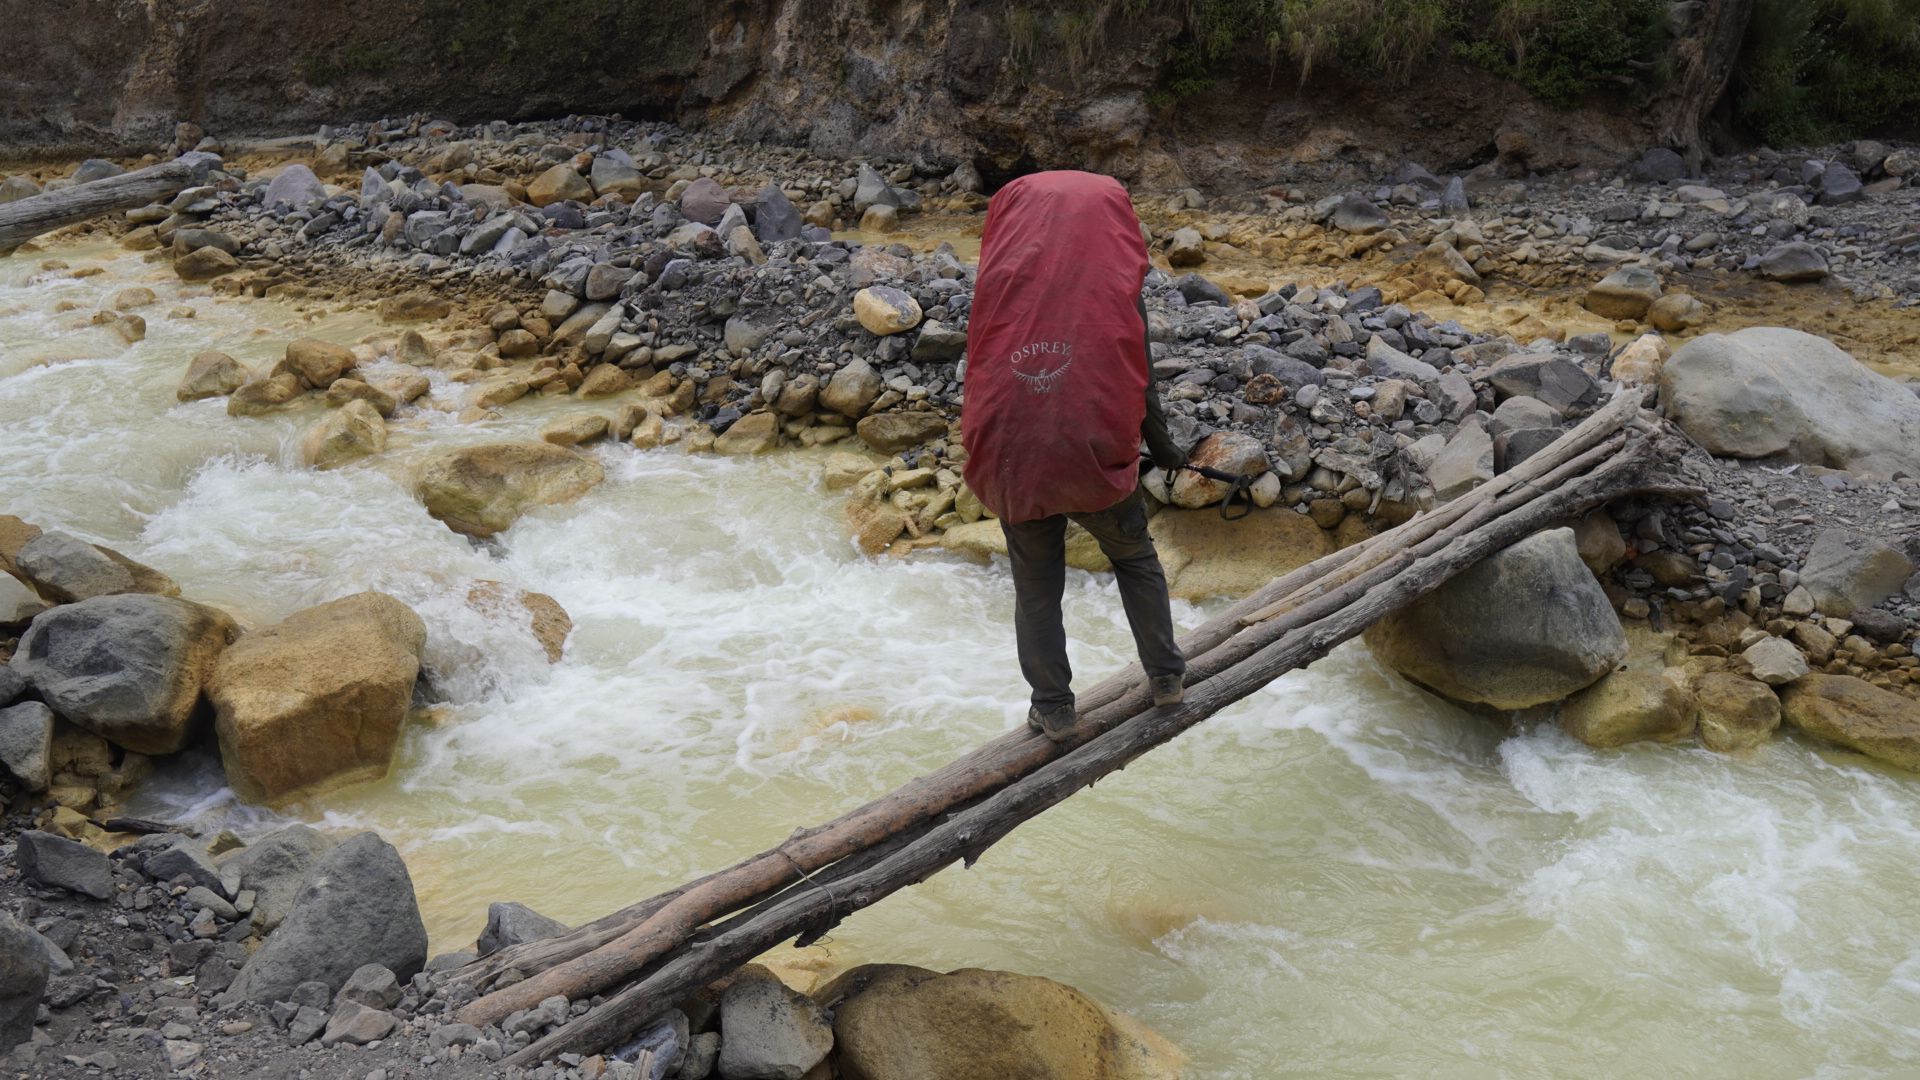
{"points": [[939, 81]]}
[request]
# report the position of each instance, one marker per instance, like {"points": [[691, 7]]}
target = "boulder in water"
{"points": [[351, 432], [211, 374], [1856, 714], [481, 490]]}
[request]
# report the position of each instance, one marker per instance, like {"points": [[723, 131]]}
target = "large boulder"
{"points": [[775, 218], [1527, 625], [1628, 706], [481, 490], [1205, 555], [1731, 713], [211, 374], [356, 908], [317, 364], [273, 868], [772, 1031], [895, 1022], [128, 668], [316, 702], [56, 861], [1766, 391], [511, 924], [1856, 714], [1846, 571], [705, 201], [353, 431], [852, 389], [559, 184], [24, 966], [68, 569]]}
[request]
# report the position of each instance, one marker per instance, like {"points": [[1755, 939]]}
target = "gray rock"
{"points": [[356, 908], [1793, 263], [190, 240], [127, 667], [939, 342], [58, 962], [1356, 214], [1197, 289], [1659, 166], [23, 979], [703, 1052], [373, 986], [742, 335], [774, 217], [96, 169], [1453, 202], [852, 389], [68, 568], [1878, 624], [295, 187], [18, 604], [870, 189], [513, 924], [15, 188], [772, 1031], [704, 201], [1465, 463], [12, 683], [424, 225], [183, 855], [307, 1022], [314, 994], [62, 863], [1523, 627], [1513, 447], [26, 743], [374, 189], [202, 897], [1775, 661], [1292, 373], [452, 1035], [1626, 293], [1839, 184], [1766, 391], [1557, 381], [732, 219], [273, 869], [605, 281], [613, 172], [1847, 570], [450, 961], [667, 1040], [1388, 362], [1520, 412], [486, 236]]}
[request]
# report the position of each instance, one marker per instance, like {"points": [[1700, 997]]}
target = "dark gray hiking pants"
{"points": [[1038, 551]]}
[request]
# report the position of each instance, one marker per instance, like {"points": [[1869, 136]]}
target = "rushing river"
{"points": [[1342, 877]]}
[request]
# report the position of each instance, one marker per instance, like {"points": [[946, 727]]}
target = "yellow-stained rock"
{"points": [[558, 184], [754, 433], [981, 539], [316, 702], [1628, 706], [1732, 713], [354, 431], [574, 430], [315, 363], [1856, 714], [1205, 555], [884, 310], [543, 614], [480, 490], [211, 374]]}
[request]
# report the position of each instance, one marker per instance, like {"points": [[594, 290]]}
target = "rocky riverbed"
{"points": [[1367, 354]]}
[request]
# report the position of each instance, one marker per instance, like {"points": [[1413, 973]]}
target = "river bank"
{"points": [[806, 561]]}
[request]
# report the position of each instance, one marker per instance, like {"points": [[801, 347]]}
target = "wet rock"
{"points": [[128, 668], [772, 1032], [356, 908], [885, 310], [273, 869], [262, 396], [315, 363], [479, 491], [890, 433], [1628, 706], [1856, 714], [1228, 451], [704, 201], [540, 613], [575, 430], [26, 743], [23, 979], [1206, 556], [60, 863], [511, 924], [908, 1023], [1525, 626], [295, 188], [562, 183], [755, 433], [211, 374], [1767, 390], [1357, 215], [383, 404], [205, 264], [1792, 263], [353, 431], [316, 701], [880, 218], [69, 569], [1731, 713], [1846, 570], [1187, 248], [1626, 293], [186, 241], [852, 389], [416, 306]]}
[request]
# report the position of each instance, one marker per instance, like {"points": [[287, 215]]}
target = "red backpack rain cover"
{"points": [[1056, 355]]}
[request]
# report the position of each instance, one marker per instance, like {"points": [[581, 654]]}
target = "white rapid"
{"points": [[1341, 878]]}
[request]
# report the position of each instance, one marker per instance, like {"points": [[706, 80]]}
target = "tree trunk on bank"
{"points": [[1703, 63], [35, 215]]}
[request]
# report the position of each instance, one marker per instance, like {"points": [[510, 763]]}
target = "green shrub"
{"points": [[1817, 70]]}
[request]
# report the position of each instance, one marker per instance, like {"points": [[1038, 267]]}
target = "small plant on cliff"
{"points": [[1561, 49]]}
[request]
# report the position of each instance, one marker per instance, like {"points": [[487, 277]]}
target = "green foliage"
{"points": [[1562, 49], [1819, 70]]}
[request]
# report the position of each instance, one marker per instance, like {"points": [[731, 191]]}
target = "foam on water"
{"points": [[1340, 877]]}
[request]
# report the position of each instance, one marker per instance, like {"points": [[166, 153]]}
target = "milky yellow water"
{"points": [[1339, 878]]}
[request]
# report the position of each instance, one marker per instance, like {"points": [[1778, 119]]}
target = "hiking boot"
{"points": [[1167, 689], [1057, 725]]}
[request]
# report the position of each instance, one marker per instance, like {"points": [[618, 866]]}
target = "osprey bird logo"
{"points": [[1041, 364]]}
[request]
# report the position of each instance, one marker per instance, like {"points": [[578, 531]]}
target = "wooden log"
{"points": [[24, 219], [609, 950], [968, 833]]}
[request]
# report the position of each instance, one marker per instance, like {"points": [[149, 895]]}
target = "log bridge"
{"points": [[647, 957]]}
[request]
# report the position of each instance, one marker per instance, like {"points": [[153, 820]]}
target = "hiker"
{"points": [[1058, 399]]}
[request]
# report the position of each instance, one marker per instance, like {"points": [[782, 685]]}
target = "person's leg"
{"points": [[1121, 530], [1038, 551]]}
